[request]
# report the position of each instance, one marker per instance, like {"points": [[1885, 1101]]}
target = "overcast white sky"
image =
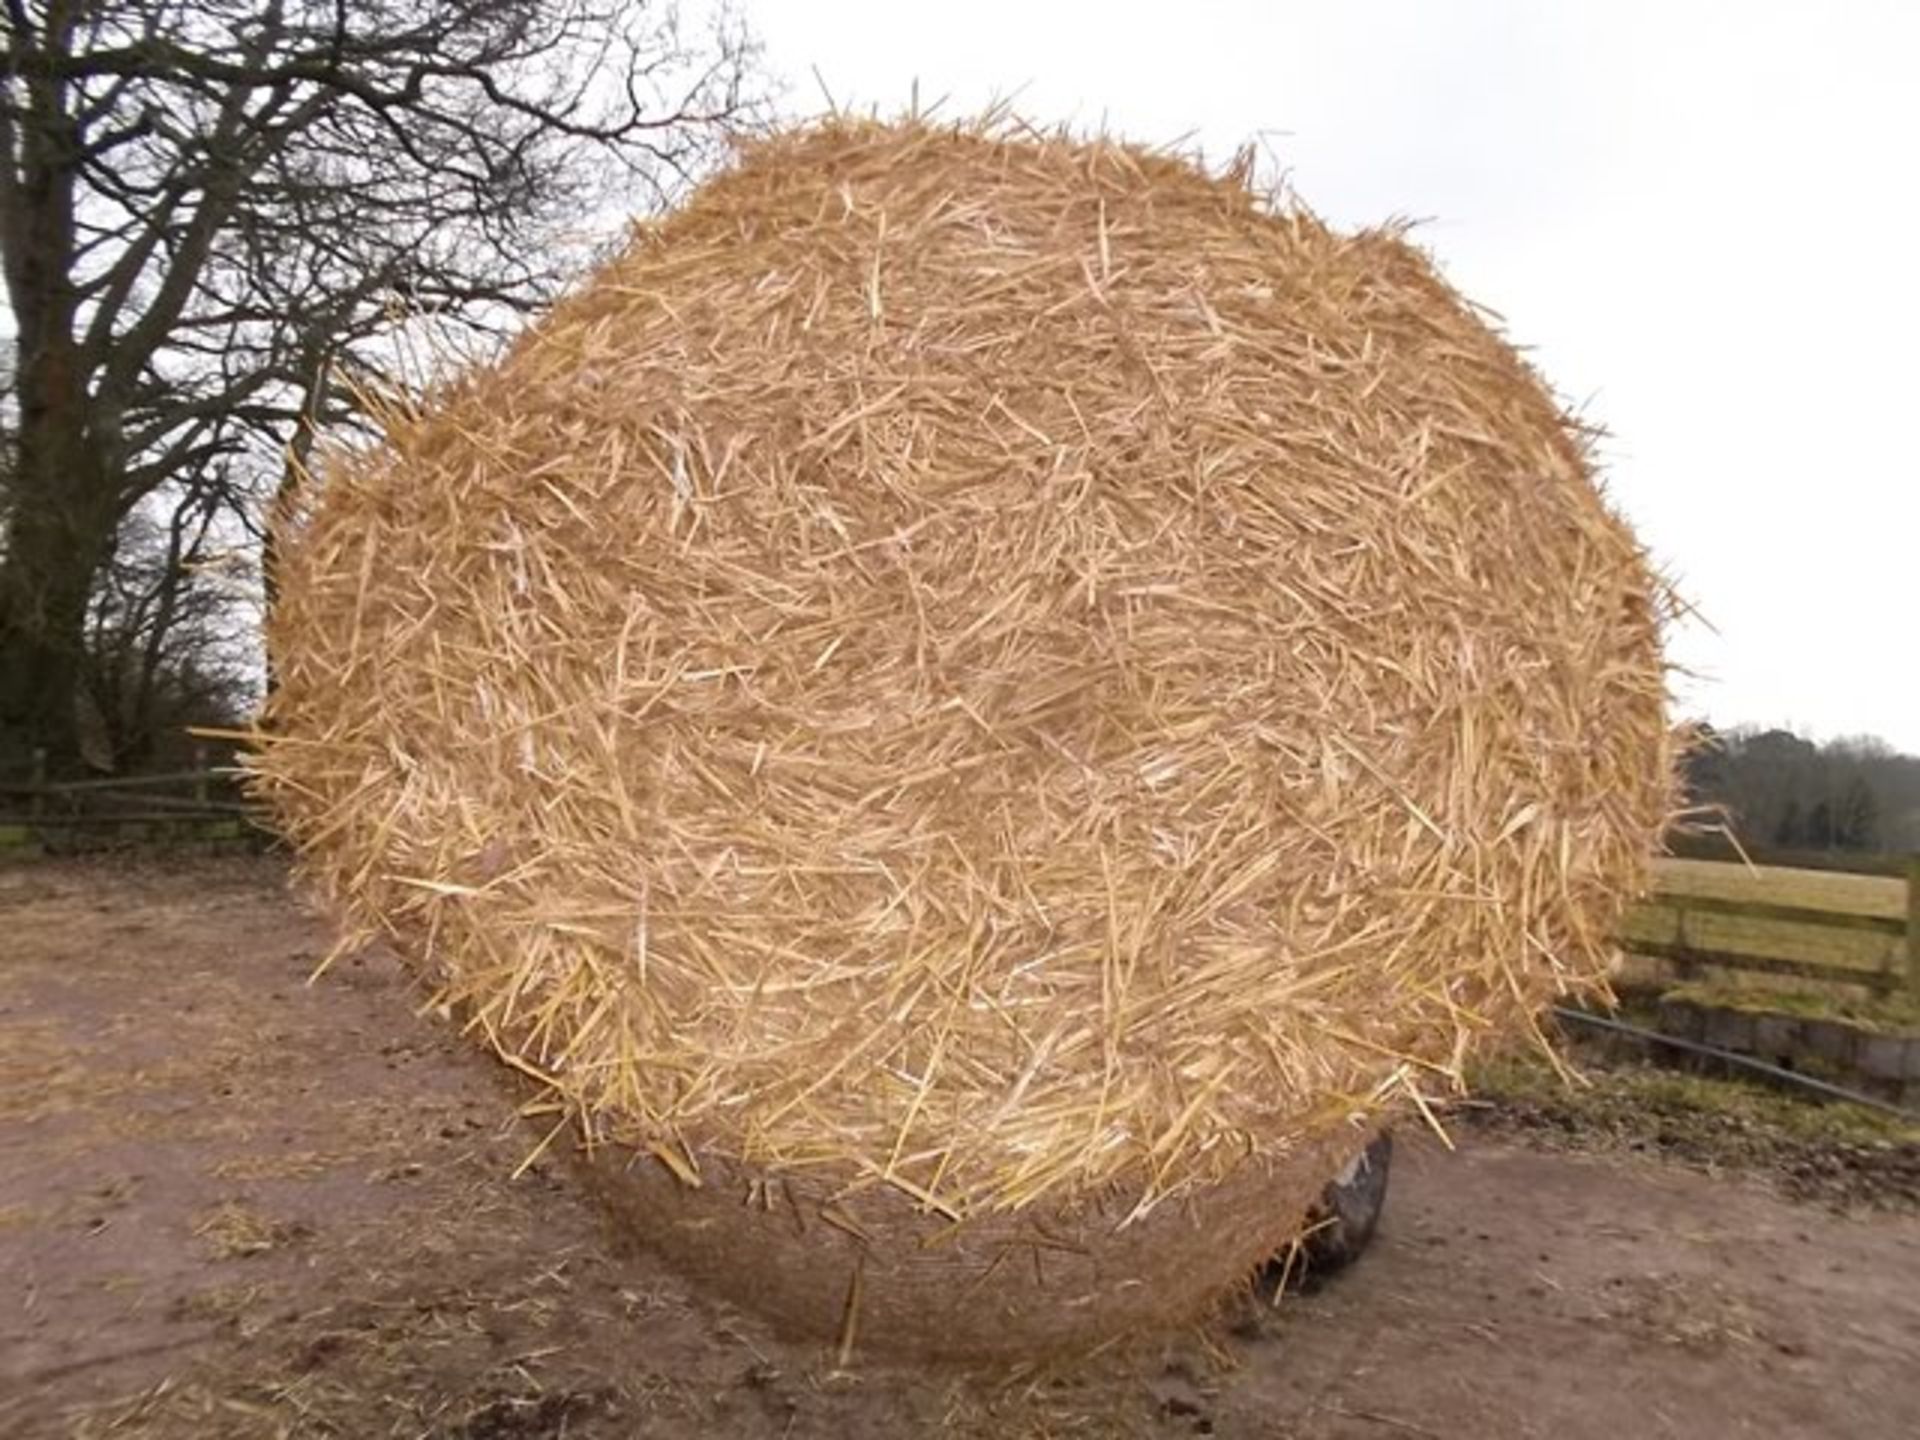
{"points": [[1692, 212]]}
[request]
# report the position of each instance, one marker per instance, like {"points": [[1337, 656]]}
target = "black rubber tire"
{"points": [[1343, 1223]]}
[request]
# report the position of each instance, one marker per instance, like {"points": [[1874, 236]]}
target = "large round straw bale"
{"points": [[981, 708]]}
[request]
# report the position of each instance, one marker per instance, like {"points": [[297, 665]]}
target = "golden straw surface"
{"points": [[985, 664]]}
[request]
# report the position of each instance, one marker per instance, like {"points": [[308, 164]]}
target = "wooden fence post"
{"points": [[37, 802], [200, 778], [1913, 926]]}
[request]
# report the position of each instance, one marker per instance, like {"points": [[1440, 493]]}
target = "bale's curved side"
{"points": [[878, 1273]]}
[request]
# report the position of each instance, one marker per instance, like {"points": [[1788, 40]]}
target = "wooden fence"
{"points": [[202, 804], [1900, 971]]}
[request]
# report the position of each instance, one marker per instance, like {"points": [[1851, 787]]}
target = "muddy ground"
{"points": [[232, 1204]]}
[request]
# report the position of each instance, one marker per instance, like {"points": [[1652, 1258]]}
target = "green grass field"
{"points": [[1816, 889]]}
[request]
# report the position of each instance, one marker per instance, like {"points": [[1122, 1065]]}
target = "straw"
{"points": [[984, 664]]}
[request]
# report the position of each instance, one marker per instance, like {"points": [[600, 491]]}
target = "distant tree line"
{"points": [[1779, 790]]}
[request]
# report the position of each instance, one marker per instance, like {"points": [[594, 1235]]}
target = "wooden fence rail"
{"points": [[1901, 972], [199, 803]]}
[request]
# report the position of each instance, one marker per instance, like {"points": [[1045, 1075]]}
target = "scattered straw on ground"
{"points": [[231, 1230], [988, 663]]}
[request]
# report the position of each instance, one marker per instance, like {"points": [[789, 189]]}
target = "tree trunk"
{"points": [[60, 531], [64, 505]]}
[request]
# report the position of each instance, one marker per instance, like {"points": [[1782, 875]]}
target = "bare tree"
{"points": [[169, 632], [207, 207]]}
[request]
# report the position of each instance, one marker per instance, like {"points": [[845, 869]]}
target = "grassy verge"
{"points": [[1887, 1013], [1842, 1155]]}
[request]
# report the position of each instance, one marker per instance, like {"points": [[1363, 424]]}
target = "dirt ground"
{"points": [[233, 1204]]}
